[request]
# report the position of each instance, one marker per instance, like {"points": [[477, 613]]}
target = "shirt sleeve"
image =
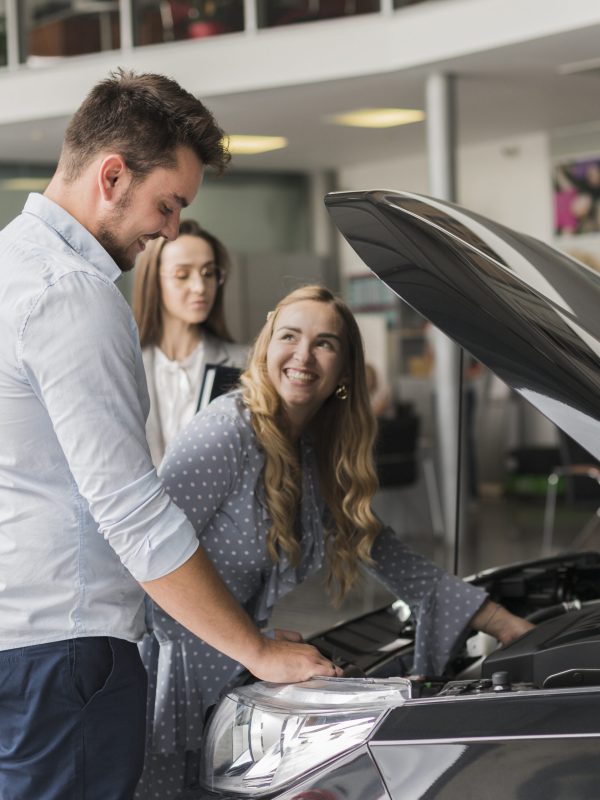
{"points": [[442, 603], [80, 352]]}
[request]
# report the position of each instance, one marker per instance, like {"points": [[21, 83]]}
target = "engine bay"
{"points": [[560, 594]]}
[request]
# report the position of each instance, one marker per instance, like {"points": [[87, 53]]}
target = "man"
{"points": [[84, 519]]}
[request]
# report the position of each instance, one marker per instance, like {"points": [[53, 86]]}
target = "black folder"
{"points": [[218, 379]]}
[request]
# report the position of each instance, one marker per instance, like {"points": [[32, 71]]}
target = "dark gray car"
{"points": [[522, 723]]}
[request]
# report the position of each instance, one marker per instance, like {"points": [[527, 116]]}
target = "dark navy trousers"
{"points": [[72, 720]]}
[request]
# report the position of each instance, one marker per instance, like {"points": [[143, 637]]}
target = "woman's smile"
{"points": [[305, 358], [299, 376]]}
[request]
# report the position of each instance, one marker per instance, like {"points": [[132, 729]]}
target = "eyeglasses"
{"points": [[184, 275]]}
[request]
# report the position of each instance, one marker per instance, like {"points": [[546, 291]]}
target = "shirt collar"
{"points": [[174, 366], [73, 232]]}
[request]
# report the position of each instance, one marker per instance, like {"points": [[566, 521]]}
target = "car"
{"points": [[516, 723]]}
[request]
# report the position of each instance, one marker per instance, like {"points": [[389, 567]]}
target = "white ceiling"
{"points": [[502, 92]]}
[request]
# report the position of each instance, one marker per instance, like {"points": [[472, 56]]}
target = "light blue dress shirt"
{"points": [[83, 515]]}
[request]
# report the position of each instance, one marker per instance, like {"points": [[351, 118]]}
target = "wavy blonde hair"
{"points": [[343, 434]]}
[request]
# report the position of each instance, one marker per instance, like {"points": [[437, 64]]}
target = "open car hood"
{"points": [[528, 312]]}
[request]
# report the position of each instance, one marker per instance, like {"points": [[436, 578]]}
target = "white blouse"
{"points": [[174, 387], [178, 389]]}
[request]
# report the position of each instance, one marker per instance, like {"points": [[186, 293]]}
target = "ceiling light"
{"points": [[252, 145], [378, 117], [24, 184], [575, 67]]}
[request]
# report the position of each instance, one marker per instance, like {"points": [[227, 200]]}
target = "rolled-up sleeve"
{"points": [[80, 352]]}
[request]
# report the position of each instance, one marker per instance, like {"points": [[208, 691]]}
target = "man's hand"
{"points": [[197, 598], [285, 661]]}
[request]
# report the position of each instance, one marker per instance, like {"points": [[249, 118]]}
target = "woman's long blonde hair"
{"points": [[147, 306], [343, 434]]}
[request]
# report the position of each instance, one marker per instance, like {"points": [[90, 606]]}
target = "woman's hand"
{"points": [[495, 620], [282, 634]]}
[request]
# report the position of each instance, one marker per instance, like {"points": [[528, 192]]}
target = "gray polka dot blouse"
{"points": [[213, 471]]}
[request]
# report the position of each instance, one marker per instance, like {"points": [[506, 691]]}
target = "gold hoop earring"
{"points": [[342, 392]]}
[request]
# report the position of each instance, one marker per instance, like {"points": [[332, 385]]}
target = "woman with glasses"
{"points": [[178, 306]]}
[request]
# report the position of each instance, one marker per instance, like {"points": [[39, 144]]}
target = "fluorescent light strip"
{"points": [[24, 184], [239, 144], [575, 67], [378, 117]]}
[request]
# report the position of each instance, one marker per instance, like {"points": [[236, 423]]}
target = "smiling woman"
{"points": [[305, 359], [277, 479]]}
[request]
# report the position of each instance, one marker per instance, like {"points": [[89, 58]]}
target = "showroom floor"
{"points": [[500, 531]]}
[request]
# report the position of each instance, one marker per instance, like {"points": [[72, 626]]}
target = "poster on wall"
{"points": [[576, 201], [576, 194]]}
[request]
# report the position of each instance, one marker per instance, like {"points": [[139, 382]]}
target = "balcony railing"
{"points": [[35, 32]]}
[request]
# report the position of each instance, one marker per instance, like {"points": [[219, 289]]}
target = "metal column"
{"points": [[250, 16], [441, 147], [13, 59], [125, 25], [324, 238]]}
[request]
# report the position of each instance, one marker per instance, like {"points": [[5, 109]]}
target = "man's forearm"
{"points": [[196, 597]]}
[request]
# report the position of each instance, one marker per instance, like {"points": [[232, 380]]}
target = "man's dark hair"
{"points": [[143, 118]]}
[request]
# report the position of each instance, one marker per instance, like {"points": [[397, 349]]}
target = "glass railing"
{"points": [[60, 28], [157, 21], [272, 13], [403, 3], [45, 30]]}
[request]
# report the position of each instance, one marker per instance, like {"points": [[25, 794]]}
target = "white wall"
{"points": [[402, 174], [507, 180]]}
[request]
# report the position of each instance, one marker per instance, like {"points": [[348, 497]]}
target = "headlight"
{"points": [[266, 735]]}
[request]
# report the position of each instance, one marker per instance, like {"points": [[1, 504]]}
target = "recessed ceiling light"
{"points": [[24, 184], [378, 117], [252, 145], [575, 67]]}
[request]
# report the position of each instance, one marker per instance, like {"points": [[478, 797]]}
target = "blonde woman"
{"points": [[278, 478], [178, 306]]}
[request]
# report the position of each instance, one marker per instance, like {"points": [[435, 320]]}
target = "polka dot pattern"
{"points": [[442, 604], [213, 471]]}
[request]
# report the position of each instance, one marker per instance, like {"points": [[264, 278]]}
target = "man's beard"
{"points": [[114, 248]]}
